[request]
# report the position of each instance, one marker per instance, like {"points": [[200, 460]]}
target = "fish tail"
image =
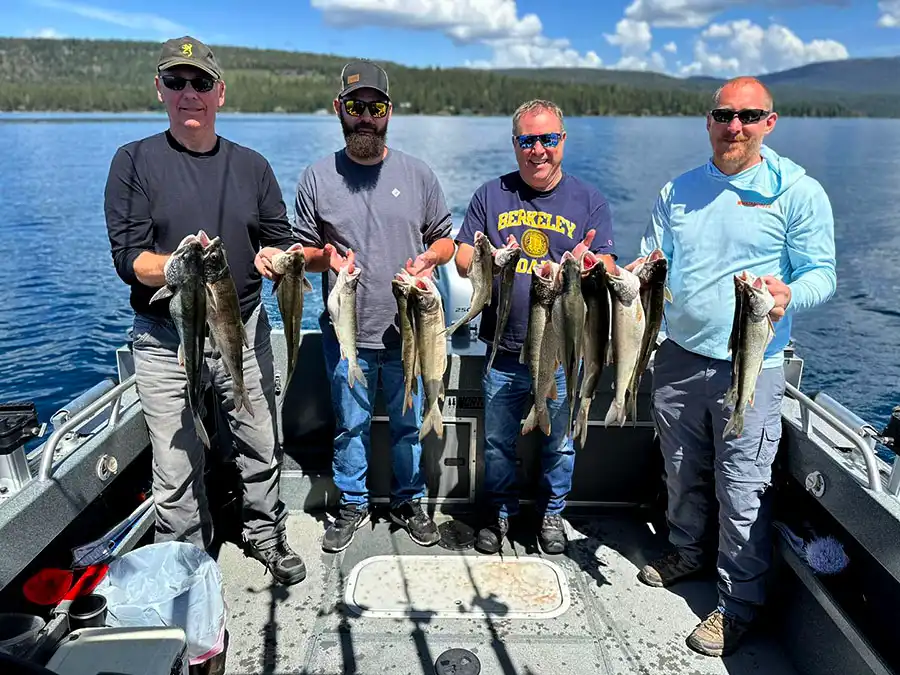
{"points": [[735, 425], [243, 400], [432, 421], [201, 430], [354, 372], [581, 421], [529, 423], [616, 413]]}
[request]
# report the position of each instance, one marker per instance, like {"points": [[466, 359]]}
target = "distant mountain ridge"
{"points": [[114, 75]]}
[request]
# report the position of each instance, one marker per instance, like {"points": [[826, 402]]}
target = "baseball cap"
{"points": [[188, 51], [363, 74]]}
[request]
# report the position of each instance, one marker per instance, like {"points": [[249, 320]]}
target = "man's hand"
{"points": [[579, 250], [782, 294], [263, 261], [423, 265], [630, 266]]}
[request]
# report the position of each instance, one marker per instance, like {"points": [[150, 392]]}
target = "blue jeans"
{"points": [[506, 388], [353, 418]]}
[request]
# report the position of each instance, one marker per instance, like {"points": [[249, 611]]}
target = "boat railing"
{"points": [[808, 405], [113, 396]]}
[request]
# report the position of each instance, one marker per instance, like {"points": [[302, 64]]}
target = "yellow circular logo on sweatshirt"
{"points": [[535, 243]]}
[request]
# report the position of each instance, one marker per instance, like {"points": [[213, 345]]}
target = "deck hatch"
{"points": [[456, 586]]}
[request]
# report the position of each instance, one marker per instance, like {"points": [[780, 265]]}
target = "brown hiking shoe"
{"points": [[667, 570], [717, 635]]}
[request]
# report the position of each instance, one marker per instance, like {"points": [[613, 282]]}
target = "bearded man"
{"points": [[383, 210]]}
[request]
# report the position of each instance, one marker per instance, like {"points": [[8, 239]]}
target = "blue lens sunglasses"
{"points": [[527, 141]]}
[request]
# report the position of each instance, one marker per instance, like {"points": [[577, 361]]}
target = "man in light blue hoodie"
{"points": [[745, 209]]}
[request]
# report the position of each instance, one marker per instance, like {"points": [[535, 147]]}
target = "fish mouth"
{"points": [[657, 254]]}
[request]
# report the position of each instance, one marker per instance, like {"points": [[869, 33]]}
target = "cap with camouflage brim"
{"points": [[187, 51]]}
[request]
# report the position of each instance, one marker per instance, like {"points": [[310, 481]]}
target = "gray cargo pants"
{"points": [[182, 512], [688, 391]]}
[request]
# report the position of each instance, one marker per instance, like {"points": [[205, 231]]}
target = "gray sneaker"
{"points": [[668, 569]]}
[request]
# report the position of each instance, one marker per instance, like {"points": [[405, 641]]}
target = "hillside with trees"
{"points": [[117, 76]]}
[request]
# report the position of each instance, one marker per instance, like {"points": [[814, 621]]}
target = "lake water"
{"points": [[63, 310]]}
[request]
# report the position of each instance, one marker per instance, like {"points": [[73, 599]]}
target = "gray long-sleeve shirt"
{"points": [[386, 213], [158, 192]]}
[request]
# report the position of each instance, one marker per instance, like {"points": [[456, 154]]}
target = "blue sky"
{"points": [[679, 37]]}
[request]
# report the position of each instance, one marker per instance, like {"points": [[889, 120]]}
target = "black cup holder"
{"points": [[88, 611]]}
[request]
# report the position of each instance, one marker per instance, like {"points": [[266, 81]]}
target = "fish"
{"points": [[568, 314], [628, 328], [596, 336], [540, 350], [751, 332], [652, 273], [223, 314], [431, 345], [481, 274], [289, 287], [186, 286], [505, 261], [402, 288], [342, 310]]}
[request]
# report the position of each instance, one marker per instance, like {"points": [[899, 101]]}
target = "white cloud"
{"points": [[634, 40], [671, 47], [753, 50], [151, 22], [890, 17], [698, 13], [516, 42], [48, 33]]}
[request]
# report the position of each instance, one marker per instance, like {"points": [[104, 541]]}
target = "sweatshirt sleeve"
{"points": [[658, 235], [274, 226], [810, 246], [128, 221]]}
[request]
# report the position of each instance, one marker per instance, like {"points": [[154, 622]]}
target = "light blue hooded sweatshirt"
{"points": [[771, 219]]}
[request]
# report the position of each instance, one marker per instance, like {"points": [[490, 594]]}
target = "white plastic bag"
{"points": [[168, 584]]}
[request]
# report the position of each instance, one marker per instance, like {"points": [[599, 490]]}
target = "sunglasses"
{"points": [[356, 108], [526, 141], [746, 116], [201, 83]]}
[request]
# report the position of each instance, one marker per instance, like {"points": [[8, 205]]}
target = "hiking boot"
{"points": [[285, 565], [412, 518], [667, 570], [490, 537], [552, 536], [340, 533], [718, 634]]}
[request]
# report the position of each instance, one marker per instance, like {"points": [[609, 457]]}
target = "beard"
{"points": [[364, 145]]}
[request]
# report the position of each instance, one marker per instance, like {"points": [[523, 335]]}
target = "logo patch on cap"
{"points": [[352, 79], [187, 49]]}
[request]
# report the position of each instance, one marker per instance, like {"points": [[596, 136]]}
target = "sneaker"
{"points": [[338, 536], [412, 518], [667, 570], [552, 536], [490, 537], [285, 565], [718, 634]]}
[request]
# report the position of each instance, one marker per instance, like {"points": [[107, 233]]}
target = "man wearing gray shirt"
{"points": [[385, 210]]}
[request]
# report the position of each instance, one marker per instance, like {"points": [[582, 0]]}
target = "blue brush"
{"points": [[824, 555]]}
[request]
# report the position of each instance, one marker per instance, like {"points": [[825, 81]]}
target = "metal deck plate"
{"points": [[462, 587]]}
